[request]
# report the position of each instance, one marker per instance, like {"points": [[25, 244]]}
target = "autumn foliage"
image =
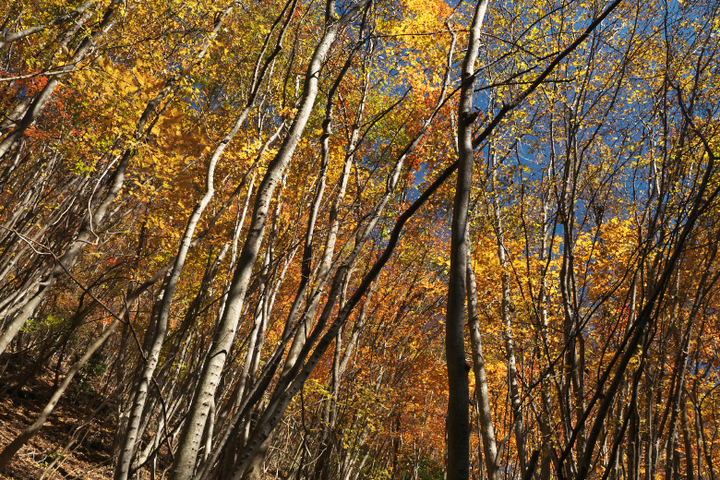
{"points": [[361, 239]]}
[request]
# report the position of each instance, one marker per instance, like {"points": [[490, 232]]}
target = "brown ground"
{"points": [[87, 439]]}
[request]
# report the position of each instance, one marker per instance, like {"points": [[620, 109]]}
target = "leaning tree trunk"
{"points": [[153, 356], [192, 433]]}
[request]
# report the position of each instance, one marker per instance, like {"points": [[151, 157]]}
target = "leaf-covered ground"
{"points": [[76, 441]]}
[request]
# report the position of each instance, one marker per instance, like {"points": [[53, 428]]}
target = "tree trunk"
{"points": [[482, 394], [458, 424], [189, 443]]}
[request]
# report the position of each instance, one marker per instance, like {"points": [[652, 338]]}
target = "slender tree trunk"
{"points": [[458, 425], [482, 393], [189, 443], [505, 314], [153, 356]]}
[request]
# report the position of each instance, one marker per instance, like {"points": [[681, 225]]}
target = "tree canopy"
{"points": [[362, 239]]}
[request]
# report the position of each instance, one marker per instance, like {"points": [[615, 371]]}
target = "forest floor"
{"points": [[75, 442]]}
